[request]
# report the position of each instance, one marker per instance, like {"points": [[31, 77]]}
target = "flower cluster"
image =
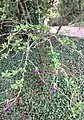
{"points": [[36, 72], [7, 106], [54, 89]]}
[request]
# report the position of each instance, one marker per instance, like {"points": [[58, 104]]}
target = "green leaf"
{"points": [[14, 86], [4, 45], [6, 74], [4, 55], [14, 72]]}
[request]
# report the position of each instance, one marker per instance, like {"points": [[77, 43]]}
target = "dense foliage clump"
{"points": [[41, 74]]}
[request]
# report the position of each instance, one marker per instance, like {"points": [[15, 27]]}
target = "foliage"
{"points": [[39, 80], [71, 9]]}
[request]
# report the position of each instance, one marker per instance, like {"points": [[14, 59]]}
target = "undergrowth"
{"points": [[40, 79]]}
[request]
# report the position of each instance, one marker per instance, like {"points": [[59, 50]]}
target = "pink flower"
{"points": [[54, 89], [35, 72], [7, 106]]}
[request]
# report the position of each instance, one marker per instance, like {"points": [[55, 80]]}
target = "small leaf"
{"points": [[4, 55], [14, 72], [14, 86]]}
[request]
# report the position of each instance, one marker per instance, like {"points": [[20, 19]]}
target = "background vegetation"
{"points": [[41, 74]]}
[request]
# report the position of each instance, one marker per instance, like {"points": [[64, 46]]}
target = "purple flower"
{"points": [[35, 72], [9, 29], [53, 89], [7, 106]]}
